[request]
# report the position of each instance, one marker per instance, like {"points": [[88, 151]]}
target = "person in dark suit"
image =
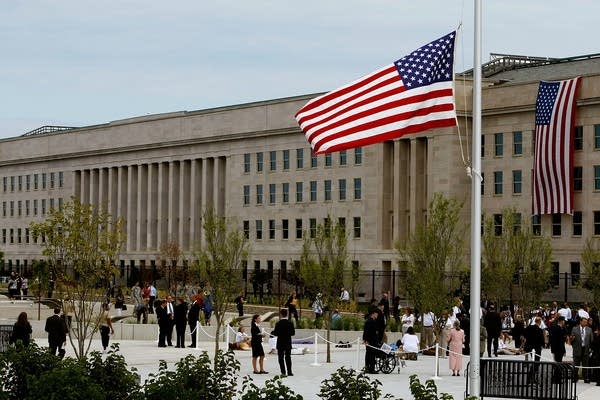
{"points": [[595, 358], [581, 340], [284, 330], [371, 340], [193, 317], [493, 325], [558, 337], [57, 331], [180, 312], [163, 322], [534, 341], [170, 310]]}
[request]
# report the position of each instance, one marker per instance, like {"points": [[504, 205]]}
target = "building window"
{"points": [[35, 207], [578, 138], [271, 229], [577, 223], [596, 177], [286, 159], [28, 182], [578, 179], [12, 208], [12, 183], [596, 137], [51, 205], [555, 278], [299, 158], [4, 208], [498, 224], [299, 190], [43, 181], [312, 225], [328, 161], [5, 183], [272, 193], [27, 208], [343, 157], [498, 144], [313, 190], [556, 225], [247, 229], [285, 228], [575, 273], [20, 183], [60, 203], [327, 190], [259, 194], [498, 178], [357, 188], [482, 183], [517, 143], [246, 163], [19, 208], [272, 160], [43, 206], [285, 190], [19, 235], [517, 223], [61, 179], [298, 228], [358, 155], [246, 195], [27, 235], [3, 235], [12, 236], [517, 181], [35, 181], [342, 189], [313, 160], [52, 180], [356, 230], [259, 161], [283, 268], [482, 145], [342, 224], [596, 222], [259, 229]]}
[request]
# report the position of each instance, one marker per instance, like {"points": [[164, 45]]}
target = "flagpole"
{"points": [[474, 370]]}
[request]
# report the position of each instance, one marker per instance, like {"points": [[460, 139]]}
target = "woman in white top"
{"points": [[410, 341], [408, 320]]}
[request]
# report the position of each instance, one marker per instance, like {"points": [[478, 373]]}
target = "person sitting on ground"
{"points": [[410, 341], [242, 340], [504, 349]]}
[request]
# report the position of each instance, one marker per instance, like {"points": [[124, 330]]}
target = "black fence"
{"points": [[5, 333], [517, 379]]}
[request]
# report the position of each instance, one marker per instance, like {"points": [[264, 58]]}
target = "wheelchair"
{"points": [[385, 360]]}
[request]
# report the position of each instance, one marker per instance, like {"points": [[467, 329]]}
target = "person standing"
{"points": [[258, 353], [152, 294], [239, 304], [21, 330], [385, 301], [106, 328], [317, 307], [170, 322], [24, 286], [595, 358], [193, 317], [581, 340], [558, 337], [181, 309], [163, 322], [284, 330], [57, 331], [292, 306], [534, 341], [370, 339], [493, 325], [119, 302], [428, 322], [408, 319], [456, 340]]}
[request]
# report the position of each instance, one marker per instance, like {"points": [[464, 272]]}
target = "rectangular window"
{"points": [[19, 208], [285, 192], [517, 181], [343, 157], [272, 193], [299, 191], [4, 209], [247, 229], [298, 228], [342, 189], [51, 205], [596, 137], [517, 143], [327, 190], [259, 161], [328, 161], [35, 207], [596, 177], [285, 228], [246, 163], [578, 179], [482, 183], [27, 235], [259, 229], [246, 195], [498, 178], [52, 180], [43, 206], [498, 224], [12, 183], [313, 190], [28, 182], [482, 145], [4, 184], [314, 162], [555, 278], [358, 155], [61, 179], [312, 225], [12, 208], [3, 235], [578, 138], [19, 235], [357, 188], [536, 225], [556, 225], [283, 268], [273, 160], [498, 144], [577, 223], [575, 273], [271, 229], [356, 229], [517, 222], [596, 222], [286, 159], [259, 194], [43, 181], [20, 183], [12, 236], [35, 182], [60, 203], [299, 158]]}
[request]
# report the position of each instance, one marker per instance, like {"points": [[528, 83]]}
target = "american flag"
{"points": [[414, 94], [553, 157]]}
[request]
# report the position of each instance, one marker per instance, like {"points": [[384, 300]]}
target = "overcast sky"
{"points": [[80, 62]]}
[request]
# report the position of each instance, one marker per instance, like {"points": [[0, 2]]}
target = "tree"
{"points": [[81, 243], [218, 263], [434, 255], [323, 261], [591, 267], [170, 254], [536, 271]]}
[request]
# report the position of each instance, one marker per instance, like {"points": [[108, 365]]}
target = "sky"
{"points": [[81, 62]]}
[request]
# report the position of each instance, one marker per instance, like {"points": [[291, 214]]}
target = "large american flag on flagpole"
{"points": [[414, 94], [553, 156]]}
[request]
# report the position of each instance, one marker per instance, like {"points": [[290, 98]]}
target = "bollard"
{"points": [[197, 338], [437, 362], [358, 353], [316, 363]]}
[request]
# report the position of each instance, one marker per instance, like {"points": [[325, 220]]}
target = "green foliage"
{"points": [[428, 391], [347, 384], [591, 266], [274, 389], [195, 378], [434, 255], [112, 374]]}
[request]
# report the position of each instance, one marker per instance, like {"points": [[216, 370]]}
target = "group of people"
{"points": [[283, 331], [18, 286]]}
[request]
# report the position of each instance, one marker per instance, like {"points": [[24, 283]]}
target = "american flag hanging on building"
{"points": [[414, 94], [553, 157]]}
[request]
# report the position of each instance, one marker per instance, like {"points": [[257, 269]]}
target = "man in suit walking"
{"points": [[57, 332], [371, 340], [284, 330], [581, 339]]}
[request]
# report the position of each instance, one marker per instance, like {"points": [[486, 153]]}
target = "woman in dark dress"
{"points": [[257, 349], [21, 330], [518, 331]]}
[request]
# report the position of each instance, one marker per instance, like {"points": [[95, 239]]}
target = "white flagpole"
{"points": [[474, 372]]}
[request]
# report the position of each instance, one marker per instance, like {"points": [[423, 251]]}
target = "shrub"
{"points": [[112, 375], [348, 385], [428, 391], [274, 390]]}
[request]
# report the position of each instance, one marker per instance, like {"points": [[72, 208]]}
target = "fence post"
{"points": [[227, 336], [316, 363], [437, 362], [197, 338], [358, 354]]}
